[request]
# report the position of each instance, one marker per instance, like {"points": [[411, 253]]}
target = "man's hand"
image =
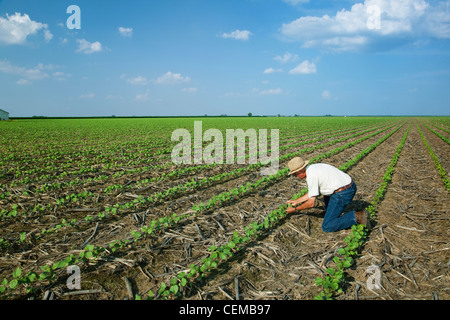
{"points": [[290, 210], [309, 203]]}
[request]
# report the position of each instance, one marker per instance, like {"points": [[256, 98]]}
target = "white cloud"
{"points": [[326, 94], [27, 75], [139, 80], [61, 76], [189, 90], [22, 82], [305, 67], [126, 32], [39, 72], [87, 47], [16, 28], [372, 23], [143, 97], [272, 70], [171, 78], [287, 57], [255, 92], [295, 2], [275, 91], [36, 73], [87, 96], [238, 35]]}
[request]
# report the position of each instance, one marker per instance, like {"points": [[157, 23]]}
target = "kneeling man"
{"points": [[337, 188]]}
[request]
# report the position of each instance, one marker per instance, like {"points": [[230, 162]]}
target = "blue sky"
{"points": [[196, 57]]}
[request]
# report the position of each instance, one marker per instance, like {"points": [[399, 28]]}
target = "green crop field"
{"points": [[105, 196]]}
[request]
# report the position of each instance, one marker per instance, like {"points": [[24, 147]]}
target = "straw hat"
{"points": [[296, 164]]}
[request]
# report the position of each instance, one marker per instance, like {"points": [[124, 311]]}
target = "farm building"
{"points": [[4, 115]]}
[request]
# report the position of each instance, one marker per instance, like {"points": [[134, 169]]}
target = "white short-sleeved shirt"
{"points": [[325, 179]]}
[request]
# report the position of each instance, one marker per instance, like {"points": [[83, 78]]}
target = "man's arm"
{"points": [[299, 200], [309, 202]]}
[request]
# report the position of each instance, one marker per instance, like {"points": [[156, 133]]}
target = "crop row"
{"points": [[333, 280], [438, 165], [438, 134]]}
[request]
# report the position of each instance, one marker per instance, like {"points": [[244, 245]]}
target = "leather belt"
{"points": [[343, 188]]}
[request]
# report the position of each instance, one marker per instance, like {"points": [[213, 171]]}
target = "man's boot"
{"points": [[363, 217]]}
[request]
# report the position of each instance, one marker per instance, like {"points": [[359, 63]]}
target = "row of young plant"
{"points": [[90, 253], [220, 254], [235, 193], [334, 278], [62, 154], [238, 192], [437, 133], [101, 178], [47, 272], [185, 171], [170, 193], [441, 128], [173, 174], [437, 163], [86, 164]]}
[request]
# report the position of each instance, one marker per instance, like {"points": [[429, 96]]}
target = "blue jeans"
{"points": [[335, 205]]}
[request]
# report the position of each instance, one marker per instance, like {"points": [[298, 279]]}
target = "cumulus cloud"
{"points": [[295, 2], [87, 47], [373, 23], [238, 35], [139, 80], [275, 91], [126, 32], [61, 76], [39, 72], [306, 67], [189, 90], [272, 70], [22, 82], [172, 78], [287, 57], [36, 73], [143, 97], [87, 96], [16, 28]]}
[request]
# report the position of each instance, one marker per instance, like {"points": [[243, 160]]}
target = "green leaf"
{"points": [[14, 283], [331, 271], [318, 281], [17, 273], [174, 289], [162, 288]]}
